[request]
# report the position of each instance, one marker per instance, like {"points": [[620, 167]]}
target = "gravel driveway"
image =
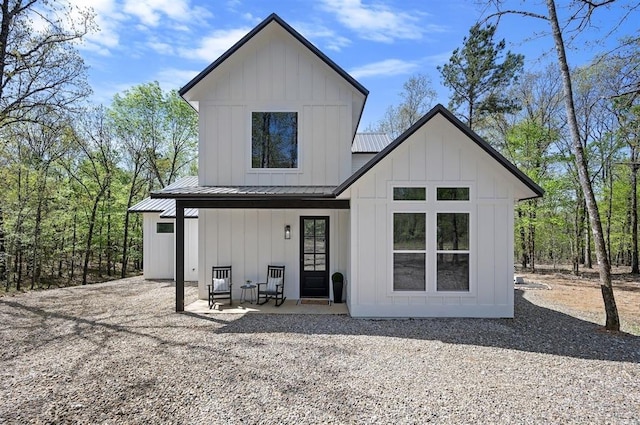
{"points": [[117, 353]]}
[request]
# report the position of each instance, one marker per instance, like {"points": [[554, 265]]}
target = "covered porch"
{"points": [[250, 228]]}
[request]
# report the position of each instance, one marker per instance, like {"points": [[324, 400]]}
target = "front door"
{"points": [[314, 257]]}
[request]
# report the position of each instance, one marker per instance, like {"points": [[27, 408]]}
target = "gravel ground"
{"points": [[117, 353]]}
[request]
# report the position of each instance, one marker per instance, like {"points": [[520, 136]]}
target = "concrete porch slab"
{"points": [[289, 307]]}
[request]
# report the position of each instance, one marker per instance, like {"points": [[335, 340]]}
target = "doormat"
{"points": [[314, 301]]}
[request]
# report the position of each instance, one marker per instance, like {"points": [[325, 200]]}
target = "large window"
{"points": [[452, 252], [274, 140], [409, 251]]}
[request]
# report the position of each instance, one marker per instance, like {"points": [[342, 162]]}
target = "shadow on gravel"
{"points": [[535, 329]]}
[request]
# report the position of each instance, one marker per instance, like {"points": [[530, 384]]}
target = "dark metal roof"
{"points": [[167, 207], [171, 212], [439, 109], [245, 192], [274, 18], [370, 142]]}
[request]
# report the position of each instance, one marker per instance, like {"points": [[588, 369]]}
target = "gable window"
{"points": [[409, 252], [452, 194], [164, 227], [409, 194], [274, 140], [452, 252]]}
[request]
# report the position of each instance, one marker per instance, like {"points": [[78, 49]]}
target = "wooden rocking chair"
{"points": [[220, 287], [273, 288]]}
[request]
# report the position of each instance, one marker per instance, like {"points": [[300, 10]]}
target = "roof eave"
{"points": [[273, 17], [440, 109]]}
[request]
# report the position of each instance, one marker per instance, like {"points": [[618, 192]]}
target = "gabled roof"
{"points": [[370, 142], [274, 18], [439, 109]]}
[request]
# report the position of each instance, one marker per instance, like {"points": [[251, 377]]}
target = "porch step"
{"points": [[317, 301]]}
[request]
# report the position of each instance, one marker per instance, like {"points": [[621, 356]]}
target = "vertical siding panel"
{"points": [[305, 77], [240, 142], [502, 234], [400, 162], [451, 161], [292, 74], [319, 83], [223, 150], [278, 70], [251, 244], [264, 240], [332, 146], [417, 154], [485, 254], [264, 77], [250, 77], [317, 159], [224, 237], [383, 176], [434, 156], [366, 251], [381, 256], [237, 248]]}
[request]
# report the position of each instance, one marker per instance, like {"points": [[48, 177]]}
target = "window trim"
{"points": [[249, 158], [431, 207], [451, 251], [173, 228], [410, 251]]}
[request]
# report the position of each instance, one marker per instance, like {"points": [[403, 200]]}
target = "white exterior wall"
{"points": [[436, 155], [250, 240], [159, 248], [359, 159], [274, 72]]}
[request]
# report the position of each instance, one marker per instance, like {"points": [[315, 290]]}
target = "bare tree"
{"points": [[417, 97], [581, 16]]}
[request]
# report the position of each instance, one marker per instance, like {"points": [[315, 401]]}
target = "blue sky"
{"points": [[381, 43]]}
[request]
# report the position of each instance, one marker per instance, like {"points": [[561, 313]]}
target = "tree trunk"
{"points": [[3, 253], [523, 240], [604, 268], [87, 253], [634, 218]]}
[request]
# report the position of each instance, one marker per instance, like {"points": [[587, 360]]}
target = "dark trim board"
{"points": [[333, 204]]}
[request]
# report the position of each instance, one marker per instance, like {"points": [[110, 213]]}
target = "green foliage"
{"points": [[478, 79]]}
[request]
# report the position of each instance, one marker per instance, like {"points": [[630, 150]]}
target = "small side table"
{"points": [[252, 293]]}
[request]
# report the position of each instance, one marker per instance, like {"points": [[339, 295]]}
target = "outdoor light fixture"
{"points": [[287, 232]]}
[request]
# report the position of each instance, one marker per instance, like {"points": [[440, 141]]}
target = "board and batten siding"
{"points": [[250, 240], [272, 73], [436, 155], [159, 248]]}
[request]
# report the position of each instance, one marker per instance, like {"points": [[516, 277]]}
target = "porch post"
{"points": [[179, 256]]}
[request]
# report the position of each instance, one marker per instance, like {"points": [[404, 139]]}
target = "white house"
{"points": [[158, 231], [424, 228]]}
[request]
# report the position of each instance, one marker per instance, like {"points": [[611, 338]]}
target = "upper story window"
{"points": [[274, 140]]}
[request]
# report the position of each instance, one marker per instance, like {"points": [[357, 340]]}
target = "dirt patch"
{"points": [[582, 293]]}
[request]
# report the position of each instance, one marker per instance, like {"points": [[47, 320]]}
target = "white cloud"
{"points": [[386, 67], [378, 22], [149, 12], [212, 46], [324, 37], [174, 78]]}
